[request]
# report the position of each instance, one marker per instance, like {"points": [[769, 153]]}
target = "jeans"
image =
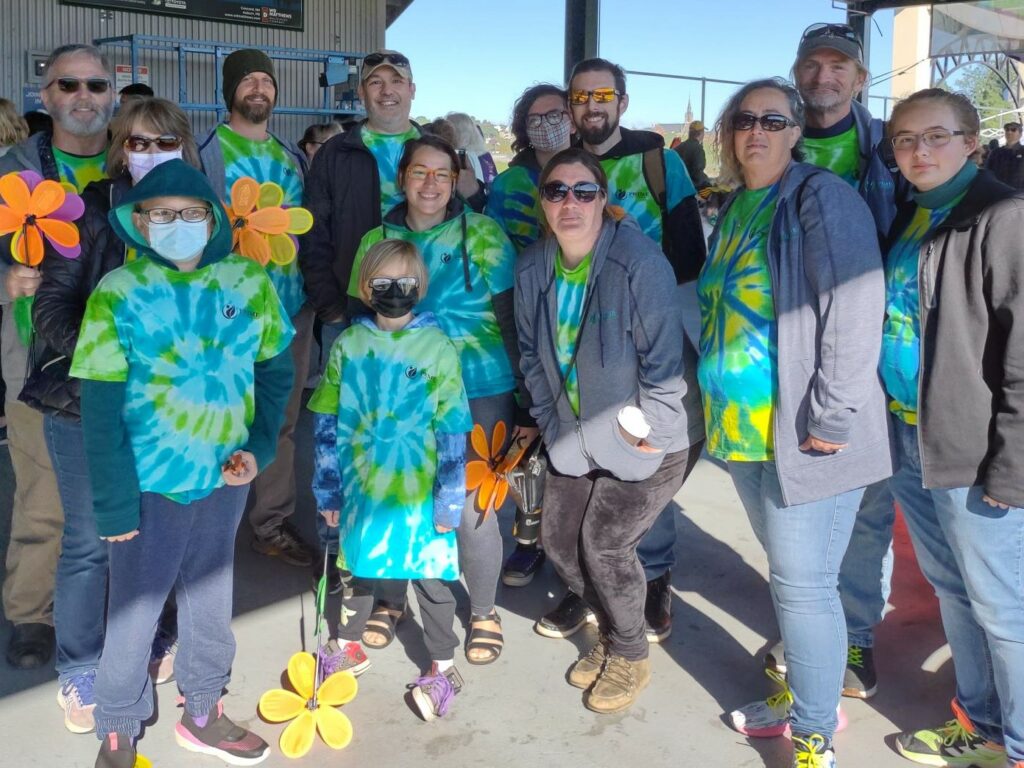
{"points": [[190, 548], [657, 549], [591, 529], [866, 574], [973, 555], [805, 544], [80, 594]]}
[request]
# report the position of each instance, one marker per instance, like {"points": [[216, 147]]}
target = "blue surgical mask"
{"points": [[179, 240]]}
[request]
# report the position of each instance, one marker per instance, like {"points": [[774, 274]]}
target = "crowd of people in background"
{"points": [[844, 340]]}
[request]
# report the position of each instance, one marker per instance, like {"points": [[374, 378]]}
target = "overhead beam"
{"points": [[582, 32]]}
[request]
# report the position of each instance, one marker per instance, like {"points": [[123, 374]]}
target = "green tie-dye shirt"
{"points": [[628, 189], [386, 149], [514, 202], [392, 393], [80, 170], [901, 331], [185, 344], [570, 295], [839, 154], [466, 317], [738, 361], [265, 161]]}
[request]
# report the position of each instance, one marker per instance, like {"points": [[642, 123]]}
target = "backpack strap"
{"points": [[654, 173]]}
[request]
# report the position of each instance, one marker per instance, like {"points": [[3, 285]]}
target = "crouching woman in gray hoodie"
{"points": [[613, 382]]}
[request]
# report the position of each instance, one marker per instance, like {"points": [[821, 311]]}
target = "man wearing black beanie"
{"points": [[243, 146]]}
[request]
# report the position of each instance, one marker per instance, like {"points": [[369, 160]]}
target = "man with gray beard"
{"points": [[80, 99]]}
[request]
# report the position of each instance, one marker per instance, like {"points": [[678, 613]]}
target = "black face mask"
{"points": [[392, 302]]}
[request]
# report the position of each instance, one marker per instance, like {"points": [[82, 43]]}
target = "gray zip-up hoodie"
{"points": [[829, 292], [632, 351]]}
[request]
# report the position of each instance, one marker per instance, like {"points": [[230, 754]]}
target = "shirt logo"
{"points": [[230, 311], [445, 258], [411, 371]]}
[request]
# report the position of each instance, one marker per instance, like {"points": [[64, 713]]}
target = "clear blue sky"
{"points": [[477, 56]]}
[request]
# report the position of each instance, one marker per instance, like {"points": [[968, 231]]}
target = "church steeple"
{"points": [[689, 110]]}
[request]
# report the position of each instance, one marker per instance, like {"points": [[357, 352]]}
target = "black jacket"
{"points": [[1007, 163], [695, 160], [971, 385]]}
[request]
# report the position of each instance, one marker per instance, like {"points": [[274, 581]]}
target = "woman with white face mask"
{"points": [[145, 134]]}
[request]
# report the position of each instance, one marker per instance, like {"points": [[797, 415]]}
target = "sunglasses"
{"points": [[382, 284], [843, 31], [583, 191], [165, 143], [600, 96], [72, 84], [554, 117], [744, 121], [421, 172], [385, 58]]}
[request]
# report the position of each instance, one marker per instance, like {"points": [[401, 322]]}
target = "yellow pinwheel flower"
{"points": [[262, 229]]}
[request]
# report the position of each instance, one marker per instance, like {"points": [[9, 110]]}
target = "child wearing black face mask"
{"points": [[389, 472]]}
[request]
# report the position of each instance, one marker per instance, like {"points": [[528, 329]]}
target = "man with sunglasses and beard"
{"points": [[243, 146], [651, 184], [79, 97]]}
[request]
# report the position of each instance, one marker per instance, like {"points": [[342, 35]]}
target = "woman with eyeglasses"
{"points": [[613, 381], [470, 265], [952, 364], [145, 134], [791, 302]]}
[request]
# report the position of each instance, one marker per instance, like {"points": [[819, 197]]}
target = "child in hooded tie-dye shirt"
{"points": [[390, 431]]}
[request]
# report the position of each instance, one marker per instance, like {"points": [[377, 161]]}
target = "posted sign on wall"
{"points": [[266, 13]]}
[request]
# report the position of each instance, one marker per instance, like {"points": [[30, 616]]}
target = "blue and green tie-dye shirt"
{"points": [[185, 344], [80, 170], [466, 316], [514, 202], [839, 154], [393, 392], [571, 295], [627, 188], [265, 161], [738, 353], [386, 149]]}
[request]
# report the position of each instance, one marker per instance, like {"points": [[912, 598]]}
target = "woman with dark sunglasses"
{"points": [[146, 133], [791, 302], [612, 379]]}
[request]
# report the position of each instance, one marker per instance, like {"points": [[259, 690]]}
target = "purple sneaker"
{"points": [[433, 693], [220, 737], [349, 657]]}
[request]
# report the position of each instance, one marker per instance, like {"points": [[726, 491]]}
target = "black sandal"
{"points": [[484, 640], [382, 621]]}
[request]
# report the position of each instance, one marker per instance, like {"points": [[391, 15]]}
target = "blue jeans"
{"points": [[805, 544], [79, 599], [865, 577], [657, 549], [973, 555], [189, 548]]}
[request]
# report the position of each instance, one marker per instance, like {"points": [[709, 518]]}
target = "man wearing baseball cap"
{"points": [[692, 152], [1007, 162], [243, 146]]}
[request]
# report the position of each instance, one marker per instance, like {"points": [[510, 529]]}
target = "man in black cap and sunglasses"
{"points": [[78, 95], [1007, 162]]}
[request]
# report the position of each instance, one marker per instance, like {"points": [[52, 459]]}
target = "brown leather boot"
{"points": [[618, 685]]}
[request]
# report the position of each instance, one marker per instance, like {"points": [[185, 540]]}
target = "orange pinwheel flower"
{"points": [[484, 473], [262, 229], [34, 208]]}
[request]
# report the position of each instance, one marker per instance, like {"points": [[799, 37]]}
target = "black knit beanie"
{"points": [[242, 63]]}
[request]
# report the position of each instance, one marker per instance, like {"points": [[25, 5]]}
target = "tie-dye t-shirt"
{"points": [[901, 331], [570, 295], [386, 149], [264, 161], [738, 354], [839, 154], [185, 343], [80, 170], [514, 202], [627, 188], [392, 392], [466, 317]]}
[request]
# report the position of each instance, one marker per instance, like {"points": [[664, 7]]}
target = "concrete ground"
{"points": [[520, 711]]}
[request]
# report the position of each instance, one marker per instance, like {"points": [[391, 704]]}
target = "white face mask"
{"points": [[141, 163], [179, 240]]}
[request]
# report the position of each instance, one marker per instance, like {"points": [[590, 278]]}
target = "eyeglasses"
{"points": [[771, 122], [381, 58], [167, 215], [383, 284], [421, 172], [554, 117], [72, 84], [600, 96], [583, 191], [166, 143], [831, 30], [936, 138]]}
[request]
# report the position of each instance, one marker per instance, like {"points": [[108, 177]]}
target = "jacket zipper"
{"points": [[923, 271]]}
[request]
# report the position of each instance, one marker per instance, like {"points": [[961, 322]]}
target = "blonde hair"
{"points": [[963, 110], [157, 115], [13, 128], [386, 252]]}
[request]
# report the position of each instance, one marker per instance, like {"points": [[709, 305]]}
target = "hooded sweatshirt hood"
{"points": [[634, 143], [175, 178]]}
